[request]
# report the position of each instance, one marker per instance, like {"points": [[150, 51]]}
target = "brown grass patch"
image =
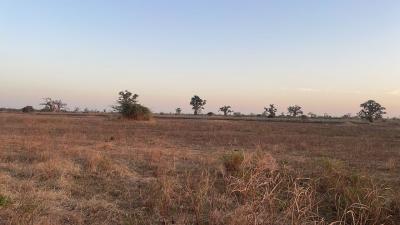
{"points": [[96, 170]]}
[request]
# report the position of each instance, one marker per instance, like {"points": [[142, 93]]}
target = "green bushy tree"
{"points": [[129, 107], [226, 109], [295, 111], [371, 110], [197, 104]]}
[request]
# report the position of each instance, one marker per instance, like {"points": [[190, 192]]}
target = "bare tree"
{"points": [[270, 111], [51, 105], [226, 109]]}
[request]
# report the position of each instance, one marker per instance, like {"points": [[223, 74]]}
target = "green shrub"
{"points": [[137, 112], [28, 109], [4, 201], [130, 109]]}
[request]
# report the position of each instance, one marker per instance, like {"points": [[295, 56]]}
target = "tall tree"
{"points": [[226, 109], [51, 105], [178, 111], [270, 111], [197, 104], [295, 111], [371, 110]]}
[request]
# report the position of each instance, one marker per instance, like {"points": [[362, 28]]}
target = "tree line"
{"points": [[128, 106]]}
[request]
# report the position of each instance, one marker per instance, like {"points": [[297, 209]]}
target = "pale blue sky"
{"points": [[327, 56]]}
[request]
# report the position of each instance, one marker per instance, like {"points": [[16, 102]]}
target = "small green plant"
{"points": [[4, 201], [233, 161]]}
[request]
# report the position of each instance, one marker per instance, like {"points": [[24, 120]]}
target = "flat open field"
{"points": [[103, 170]]}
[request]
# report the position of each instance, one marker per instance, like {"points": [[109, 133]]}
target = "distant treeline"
{"points": [[128, 106]]}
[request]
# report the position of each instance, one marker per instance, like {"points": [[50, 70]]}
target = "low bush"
{"points": [[4, 201], [232, 161], [137, 112], [28, 109], [130, 109]]}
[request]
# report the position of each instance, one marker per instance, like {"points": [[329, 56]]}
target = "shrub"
{"points": [[137, 112], [130, 109], [4, 201], [233, 160], [303, 117], [28, 109], [237, 114]]}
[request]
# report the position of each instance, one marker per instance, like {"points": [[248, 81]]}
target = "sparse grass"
{"points": [[4, 201], [96, 170], [233, 161]]}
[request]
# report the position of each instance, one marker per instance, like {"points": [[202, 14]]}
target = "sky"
{"points": [[326, 56]]}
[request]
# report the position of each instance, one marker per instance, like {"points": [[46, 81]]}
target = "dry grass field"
{"points": [[98, 170]]}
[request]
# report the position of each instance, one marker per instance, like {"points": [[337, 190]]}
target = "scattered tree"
{"points": [[295, 111], [51, 105], [326, 116], [304, 117], [270, 111], [237, 114], [347, 116], [371, 111], [178, 111], [28, 109], [129, 108], [226, 109], [312, 115], [198, 104]]}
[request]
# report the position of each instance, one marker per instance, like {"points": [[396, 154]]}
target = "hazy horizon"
{"points": [[327, 57]]}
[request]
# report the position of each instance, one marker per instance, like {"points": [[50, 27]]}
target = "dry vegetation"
{"points": [[95, 170]]}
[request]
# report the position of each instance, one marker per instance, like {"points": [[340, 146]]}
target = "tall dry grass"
{"points": [[62, 170]]}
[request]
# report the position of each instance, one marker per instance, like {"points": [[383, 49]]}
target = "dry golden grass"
{"points": [[96, 170]]}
